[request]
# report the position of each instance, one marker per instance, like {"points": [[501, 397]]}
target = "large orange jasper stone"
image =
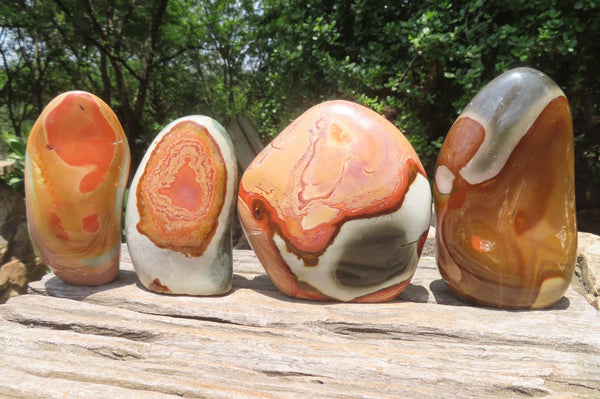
{"points": [[180, 209], [76, 169], [504, 195], [338, 206]]}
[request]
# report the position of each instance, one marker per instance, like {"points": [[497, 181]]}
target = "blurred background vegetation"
{"points": [[416, 62]]}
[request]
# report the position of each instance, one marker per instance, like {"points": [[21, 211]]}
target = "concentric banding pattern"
{"points": [[182, 189], [180, 209]]}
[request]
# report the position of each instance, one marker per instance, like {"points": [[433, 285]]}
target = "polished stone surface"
{"points": [[504, 195], [338, 206], [76, 169], [180, 209]]}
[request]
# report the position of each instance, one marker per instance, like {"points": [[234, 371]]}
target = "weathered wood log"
{"points": [[120, 340], [246, 141], [588, 267]]}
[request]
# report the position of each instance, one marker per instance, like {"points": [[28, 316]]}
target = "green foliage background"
{"points": [[416, 62]]}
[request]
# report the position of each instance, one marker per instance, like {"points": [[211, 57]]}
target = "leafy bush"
{"points": [[416, 62], [13, 148], [420, 63]]}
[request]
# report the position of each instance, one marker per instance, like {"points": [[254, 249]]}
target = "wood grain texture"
{"points": [[246, 141], [588, 267], [122, 341]]}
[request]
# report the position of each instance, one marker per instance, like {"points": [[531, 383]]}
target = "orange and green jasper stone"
{"points": [[504, 195], [338, 206], [180, 209], [77, 163]]}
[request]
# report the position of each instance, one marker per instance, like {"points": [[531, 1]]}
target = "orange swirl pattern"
{"points": [[337, 162], [76, 168], [510, 241], [182, 190]]}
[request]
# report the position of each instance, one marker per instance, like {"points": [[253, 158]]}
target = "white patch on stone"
{"points": [[562, 237], [414, 217], [506, 108], [444, 178], [549, 292]]}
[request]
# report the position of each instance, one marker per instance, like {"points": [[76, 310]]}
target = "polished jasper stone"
{"points": [[338, 206], [180, 209], [76, 169], [504, 195]]}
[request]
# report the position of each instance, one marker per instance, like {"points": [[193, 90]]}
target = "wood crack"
{"points": [[209, 319], [282, 373], [421, 333], [134, 335]]}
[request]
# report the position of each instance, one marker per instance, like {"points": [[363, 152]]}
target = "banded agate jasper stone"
{"points": [[180, 208], [338, 206], [76, 168], [504, 195]]}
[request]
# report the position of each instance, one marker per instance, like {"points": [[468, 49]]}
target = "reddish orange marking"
{"points": [[182, 190], [461, 144], [157, 286], [384, 295], [185, 191], [90, 223], [335, 168], [479, 244], [57, 228], [337, 162], [81, 136]]}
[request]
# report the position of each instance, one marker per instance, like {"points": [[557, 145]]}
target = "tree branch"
{"points": [[147, 61], [103, 48]]}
